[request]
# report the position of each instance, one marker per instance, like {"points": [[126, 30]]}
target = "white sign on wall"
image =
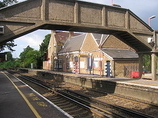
{"points": [[71, 65], [95, 64], [98, 59], [82, 64]]}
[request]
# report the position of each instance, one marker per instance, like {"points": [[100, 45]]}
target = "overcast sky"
{"points": [[142, 8]]}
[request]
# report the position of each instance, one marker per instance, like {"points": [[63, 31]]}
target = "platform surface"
{"points": [[140, 82], [142, 89], [17, 100]]}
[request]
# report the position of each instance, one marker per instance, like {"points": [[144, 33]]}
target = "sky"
{"points": [[142, 8]]}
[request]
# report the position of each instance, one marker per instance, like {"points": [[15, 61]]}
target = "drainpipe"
{"points": [[71, 34]]}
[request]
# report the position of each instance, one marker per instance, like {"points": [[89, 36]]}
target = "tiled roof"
{"points": [[120, 53], [73, 44]]}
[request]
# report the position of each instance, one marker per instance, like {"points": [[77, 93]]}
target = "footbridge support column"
{"points": [[153, 66], [140, 64], [154, 56]]}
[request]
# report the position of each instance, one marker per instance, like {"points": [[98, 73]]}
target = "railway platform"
{"points": [[18, 100], [142, 89]]}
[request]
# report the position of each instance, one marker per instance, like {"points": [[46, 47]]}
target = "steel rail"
{"points": [[33, 80], [90, 102]]}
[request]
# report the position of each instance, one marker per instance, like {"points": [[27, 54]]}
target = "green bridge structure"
{"points": [[72, 15]]}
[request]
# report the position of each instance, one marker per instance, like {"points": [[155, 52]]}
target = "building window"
{"points": [[58, 64]]}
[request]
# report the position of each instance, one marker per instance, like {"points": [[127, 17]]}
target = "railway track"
{"points": [[80, 105]]}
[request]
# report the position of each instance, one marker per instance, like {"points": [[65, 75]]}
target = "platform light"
{"points": [[150, 40], [149, 19], [1, 29], [112, 2]]}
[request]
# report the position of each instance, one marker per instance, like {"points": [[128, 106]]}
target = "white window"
{"points": [[58, 64]]}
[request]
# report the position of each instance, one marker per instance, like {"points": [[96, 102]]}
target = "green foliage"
{"points": [[10, 63], [28, 56], [147, 63], [6, 65], [23, 55], [8, 45], [44, 47]]}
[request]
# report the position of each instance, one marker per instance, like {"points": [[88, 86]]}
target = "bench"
{"points": [[134, 74]]}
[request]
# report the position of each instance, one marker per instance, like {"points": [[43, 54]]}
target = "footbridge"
{"points": [[73, 15]]}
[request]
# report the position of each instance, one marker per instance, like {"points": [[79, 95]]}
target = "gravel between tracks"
{"points": [[109, 98]]}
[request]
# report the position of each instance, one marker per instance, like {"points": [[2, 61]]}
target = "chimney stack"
{"points": [[71, 34]]}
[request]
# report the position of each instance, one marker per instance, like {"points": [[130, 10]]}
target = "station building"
{"points": [[91, 53]]}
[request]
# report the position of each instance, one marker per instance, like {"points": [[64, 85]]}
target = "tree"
{"points": [[147, 63], [31, 58], [28, 56], [8, 45], [9, 63], [44, 47], [24, 53]]}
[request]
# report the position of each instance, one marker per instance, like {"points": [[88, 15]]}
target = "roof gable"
{"points": [[99, 38], [89, 43], [73, 44], [113, 42]]}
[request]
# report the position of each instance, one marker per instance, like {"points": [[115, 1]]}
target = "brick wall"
{"points": [[113, 42], [89, 44], [119, 67]]}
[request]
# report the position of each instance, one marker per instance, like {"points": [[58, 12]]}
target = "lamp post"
{"points": [[112, 1], [149, 19]]}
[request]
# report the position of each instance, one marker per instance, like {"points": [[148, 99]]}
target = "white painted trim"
{"points": [[107, 55], [69, 53], [94, 39], [83, 41], [105, 39]]}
